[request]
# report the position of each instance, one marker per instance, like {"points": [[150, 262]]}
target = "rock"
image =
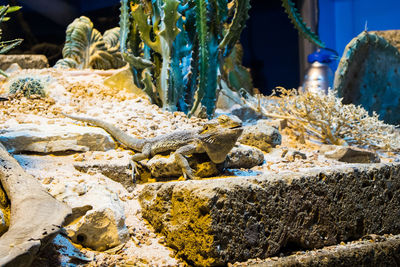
{"points": [[292, 155], [261, 135], [118, 171], [123, 80], [52, 138], [352, 155], [36, 217], [98, 220], [214, 222], [240, 157], [380, 252], [245, 113], [99, 230], [24, 61], [245, 157], [13, 68], [228, 98], [164, 167]]}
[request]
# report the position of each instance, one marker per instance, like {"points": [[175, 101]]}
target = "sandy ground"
{"points": [[83, 93]]}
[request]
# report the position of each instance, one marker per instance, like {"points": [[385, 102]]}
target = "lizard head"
{"points": [[219, 136]]}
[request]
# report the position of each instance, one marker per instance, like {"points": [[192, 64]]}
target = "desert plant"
{"points": [[6, 46], [85, 47], [179, 50], [28, 86], [326, 119]]}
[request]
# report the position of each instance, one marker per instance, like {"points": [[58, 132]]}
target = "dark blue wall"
{"points": [[342, 20]]}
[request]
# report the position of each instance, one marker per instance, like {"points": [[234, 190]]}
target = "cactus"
{"points": [[85, 47], [179, 50], [28, 86], [6, 46], [299, 24], [368, 75]]}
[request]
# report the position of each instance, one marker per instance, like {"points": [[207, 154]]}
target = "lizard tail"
{"points": [[119, 135]]}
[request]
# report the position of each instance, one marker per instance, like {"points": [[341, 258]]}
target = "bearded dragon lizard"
{"points": [[216, 138]]}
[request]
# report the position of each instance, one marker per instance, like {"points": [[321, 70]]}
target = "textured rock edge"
{"points": [[213, 222], [384, 252], [36, 217]]}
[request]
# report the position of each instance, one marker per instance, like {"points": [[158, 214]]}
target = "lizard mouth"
{"points": [[236, 127]]}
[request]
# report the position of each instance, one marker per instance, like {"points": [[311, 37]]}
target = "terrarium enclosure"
{"points": [[199, 133]]}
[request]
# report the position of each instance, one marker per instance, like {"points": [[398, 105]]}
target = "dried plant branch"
{"points": [[326, 119]]}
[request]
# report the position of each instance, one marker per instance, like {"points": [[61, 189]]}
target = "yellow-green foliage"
{"points": [[326, 119], [6, 46]]}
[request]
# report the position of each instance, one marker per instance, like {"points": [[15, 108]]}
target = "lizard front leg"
{"points": [[179, 158], [134, 161]]}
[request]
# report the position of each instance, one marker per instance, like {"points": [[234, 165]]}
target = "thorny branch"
{"points": [[326, 119]]}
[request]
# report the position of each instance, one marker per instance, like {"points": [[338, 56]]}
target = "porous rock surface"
{"points": [[261, 135], [52, 138], [98, 215], [24, 61], [213, 222], [370, 251]]}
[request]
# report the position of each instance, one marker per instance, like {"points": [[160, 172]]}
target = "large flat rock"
{"points": [[375, 251], [53, 138], [24, 61], [213, 222]]}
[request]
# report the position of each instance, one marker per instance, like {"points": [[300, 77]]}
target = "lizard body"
{"points": [[216, 138]]}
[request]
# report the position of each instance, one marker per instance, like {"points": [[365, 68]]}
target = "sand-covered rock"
{"points": [[102, 222], [213, 222], [52, 138], [24, 61], [350, 154], [261, 135], [245, 157]]}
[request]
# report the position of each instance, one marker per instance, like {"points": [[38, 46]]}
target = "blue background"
{"points": [[342, 20]]}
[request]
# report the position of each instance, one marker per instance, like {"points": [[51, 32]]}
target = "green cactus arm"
{"points": [[137, 62], [7, 9], [170, 18], [237, 25], [202, 31], [6, 46], [145, 29], [299, 23], [3, 73], [124, 24]]}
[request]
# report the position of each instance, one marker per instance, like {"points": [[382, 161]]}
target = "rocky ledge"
{"points": [[220, 221]]}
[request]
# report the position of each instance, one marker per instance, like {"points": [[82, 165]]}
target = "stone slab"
{"points": [[24, 61], [220, 221], [375, 251], [52, 138]]}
